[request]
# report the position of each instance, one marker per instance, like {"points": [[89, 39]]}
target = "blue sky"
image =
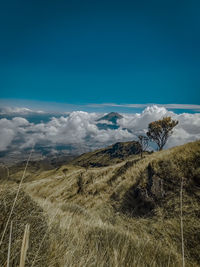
{"points": [[82, 52]]}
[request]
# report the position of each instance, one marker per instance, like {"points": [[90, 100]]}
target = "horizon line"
{"points": [[23, 103]]}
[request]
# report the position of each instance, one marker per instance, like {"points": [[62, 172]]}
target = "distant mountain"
{"points": [[112, 117]]}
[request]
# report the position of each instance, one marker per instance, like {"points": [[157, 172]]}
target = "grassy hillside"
{"points": [[124, 214], [107, 156]]}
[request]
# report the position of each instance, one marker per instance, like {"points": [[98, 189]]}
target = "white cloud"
{"points": [[6, 137], [9, 129], [139, 121], [80, 129], [17, 110], [169, 106], [19, 121]]}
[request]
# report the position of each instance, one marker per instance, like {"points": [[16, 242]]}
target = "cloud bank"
{"points": [[80, 129], [168, 106]]}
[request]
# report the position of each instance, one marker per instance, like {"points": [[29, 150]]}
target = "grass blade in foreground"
{"points": [[25, 244]]}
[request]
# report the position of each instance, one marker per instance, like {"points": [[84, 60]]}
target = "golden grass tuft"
{"points": [[25, 244], [26, 212]]}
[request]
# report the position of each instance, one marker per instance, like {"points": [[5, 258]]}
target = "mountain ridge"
{"points": [[110, 155], [112, 117]]}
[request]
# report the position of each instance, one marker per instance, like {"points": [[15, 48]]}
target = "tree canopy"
{"points": [[159, 131]]}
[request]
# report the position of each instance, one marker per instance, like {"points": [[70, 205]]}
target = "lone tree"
{"points": [[159, 131], [144, 142]]}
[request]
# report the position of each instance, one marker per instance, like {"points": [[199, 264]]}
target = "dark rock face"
{"points": [[159, 183], [148, 192], [155, 184], [138, 203]]}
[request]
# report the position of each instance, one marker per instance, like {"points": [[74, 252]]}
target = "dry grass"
{"points": [[25, 244], [95, 217], [26, 211], [9, 245]]}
